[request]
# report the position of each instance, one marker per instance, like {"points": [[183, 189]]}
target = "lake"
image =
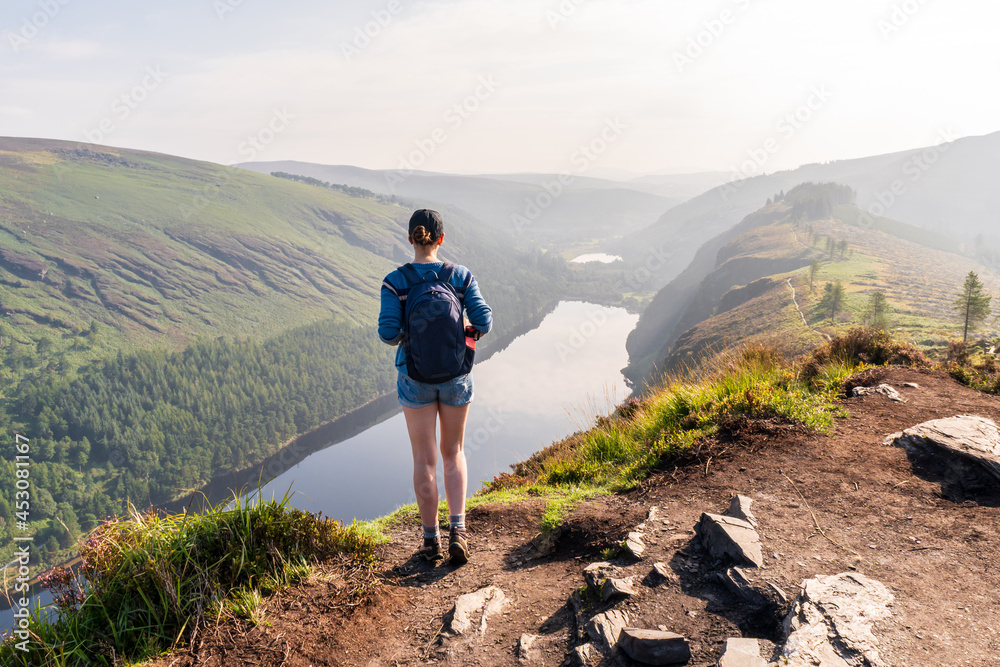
{"points": [[601, 257], [547, 384]]}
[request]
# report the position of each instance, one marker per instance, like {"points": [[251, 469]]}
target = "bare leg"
{"points": [[456, 475], [421, 424]]}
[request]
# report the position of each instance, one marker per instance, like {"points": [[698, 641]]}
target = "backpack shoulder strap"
{"points": [[410, 273], [444, 275]]}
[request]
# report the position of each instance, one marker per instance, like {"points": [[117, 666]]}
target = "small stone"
{"points": [[654, 647], [605, 628], [653, 514], [739, 508], [581, 656], [736, 539], [661, 575], [527, 652], [596, 574], [613, 588], [741, 653], [472, 611], [911, 385], [884, 389], [635, 545], [739, 584]]}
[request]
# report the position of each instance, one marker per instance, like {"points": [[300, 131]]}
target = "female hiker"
{"points": [[434, 312]]}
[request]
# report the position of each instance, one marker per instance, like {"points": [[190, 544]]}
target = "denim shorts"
{"points": [[413, 394]]}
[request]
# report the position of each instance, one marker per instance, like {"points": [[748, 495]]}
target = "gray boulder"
{"points": [[635, 545], [653, 647], [963, 440], [728, 537], [608, 581], [831, 622]]}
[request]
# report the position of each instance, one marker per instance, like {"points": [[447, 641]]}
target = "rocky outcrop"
{"points": [[962, 441], [831, 622]]}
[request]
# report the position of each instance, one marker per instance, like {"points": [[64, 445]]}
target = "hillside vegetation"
{"points": [[741, 284], [943, 188]]}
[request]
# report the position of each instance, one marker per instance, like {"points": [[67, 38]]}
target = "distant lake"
{"points": [[545, 385], [601, 257]]}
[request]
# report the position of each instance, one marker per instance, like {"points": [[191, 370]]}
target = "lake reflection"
{"points": [[547, 384]]}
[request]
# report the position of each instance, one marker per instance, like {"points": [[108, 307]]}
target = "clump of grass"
{"points": [[150, 582], [860, 346], [755, 382], [974, 365]]}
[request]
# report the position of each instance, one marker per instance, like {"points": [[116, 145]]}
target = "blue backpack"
{"points": [[433, 326]]}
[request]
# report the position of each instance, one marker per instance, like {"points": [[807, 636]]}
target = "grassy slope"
{"points": [[920, 283], [163, 250]]}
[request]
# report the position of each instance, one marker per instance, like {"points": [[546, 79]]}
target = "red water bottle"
{"points": [[471, 336]]}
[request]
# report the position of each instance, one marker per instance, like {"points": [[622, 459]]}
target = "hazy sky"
{"points": [[499, 86]]}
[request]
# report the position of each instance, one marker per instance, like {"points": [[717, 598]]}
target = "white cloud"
{"points": [[72, 50]]}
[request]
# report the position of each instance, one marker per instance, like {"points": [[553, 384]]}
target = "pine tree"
{"points": [[877, 311], [972, 305], [833, 299], [813, 270]]}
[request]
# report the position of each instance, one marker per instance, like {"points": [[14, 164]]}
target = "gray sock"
{"points": [[457, 521], [430, 531]]}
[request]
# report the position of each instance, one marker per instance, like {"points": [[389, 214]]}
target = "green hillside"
{"points": [[162, 249], [747, 292]]}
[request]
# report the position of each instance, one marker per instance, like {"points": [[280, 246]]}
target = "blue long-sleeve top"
{"points": [[390, 318]]}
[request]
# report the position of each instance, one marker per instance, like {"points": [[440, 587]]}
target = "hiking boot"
{"points": [[430, 551], [458, 546]]}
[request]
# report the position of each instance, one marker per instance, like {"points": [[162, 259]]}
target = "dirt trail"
{"points": [[802, 315], [882, 516]]}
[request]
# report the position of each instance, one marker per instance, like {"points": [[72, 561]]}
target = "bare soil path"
{"points": [[825, 504]]}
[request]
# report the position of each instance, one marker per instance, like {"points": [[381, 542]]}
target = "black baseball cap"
{"points": [[429, 220]]}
